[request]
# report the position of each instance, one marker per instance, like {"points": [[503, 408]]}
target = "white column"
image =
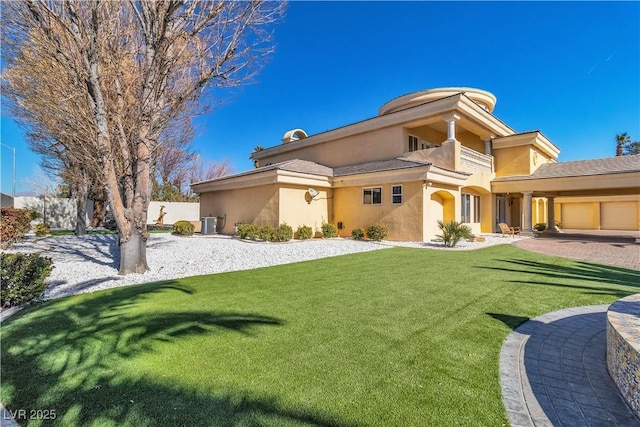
{"points": [[451, 126], [527, 212]]}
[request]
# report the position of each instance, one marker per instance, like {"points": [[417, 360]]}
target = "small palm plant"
{"points": [[453, 232]]}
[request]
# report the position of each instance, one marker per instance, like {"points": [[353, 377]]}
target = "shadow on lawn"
{"points": [[66, 355], [511, 321], [591, 274]]}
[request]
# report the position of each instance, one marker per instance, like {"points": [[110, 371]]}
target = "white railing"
{"points": [[476, 162]]}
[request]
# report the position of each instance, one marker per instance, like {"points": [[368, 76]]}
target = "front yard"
{"points": [[393, 337]]}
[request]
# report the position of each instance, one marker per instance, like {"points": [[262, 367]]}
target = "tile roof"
{"points": [[379, 166], [304, 166], [609, 165]]}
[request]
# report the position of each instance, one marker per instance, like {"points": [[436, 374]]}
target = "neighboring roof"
{"points": [[606, 166], [378, 166]]}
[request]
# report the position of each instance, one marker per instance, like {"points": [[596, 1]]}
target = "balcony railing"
{"points": [[474, 161]]}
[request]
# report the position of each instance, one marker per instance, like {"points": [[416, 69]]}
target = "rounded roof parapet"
{"points": [[485, 99], [294, 135]]}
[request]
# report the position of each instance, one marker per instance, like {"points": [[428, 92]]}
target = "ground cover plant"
{"points": [[392, 337]]}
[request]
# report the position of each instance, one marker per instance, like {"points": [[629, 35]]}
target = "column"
{"points": [[526, 227], [451, 126], [487, 146], [551, 215]]}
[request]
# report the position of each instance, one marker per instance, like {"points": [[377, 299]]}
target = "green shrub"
{"points": [[266, 233], [377, 231], [14, 224], [42, 229], [23, 278], [453, 232], [304, 232], [246, 231], [541, 226], [33, 214], [357, 234], [183, 228], [262, 232], [329, 230], [284, 233]]}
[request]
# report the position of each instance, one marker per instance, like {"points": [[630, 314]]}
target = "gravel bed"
{"points": [[87, 264]]}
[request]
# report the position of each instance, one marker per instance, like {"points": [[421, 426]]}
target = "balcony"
{"points": [[474, 162]]}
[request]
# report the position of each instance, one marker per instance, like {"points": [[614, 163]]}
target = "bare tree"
{"points": [[135, 67], [203, 170]]}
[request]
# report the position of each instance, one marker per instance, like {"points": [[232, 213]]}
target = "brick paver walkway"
{"points": [[553, 368], [553, 372], [617, 251]]}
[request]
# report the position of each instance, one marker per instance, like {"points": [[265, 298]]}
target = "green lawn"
{"points": [[397, 337]]}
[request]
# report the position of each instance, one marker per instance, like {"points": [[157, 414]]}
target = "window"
{"points": [[470, 204], [396, 194], [372, 196], [465, 215], [413, 143], [476, 208]]}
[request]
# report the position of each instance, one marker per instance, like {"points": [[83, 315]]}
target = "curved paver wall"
{"points": [[623, 348]]}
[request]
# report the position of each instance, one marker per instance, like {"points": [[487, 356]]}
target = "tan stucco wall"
{"points": [[381, 144], [513, 161], [404, 221], [425, 133], [471, 140], [441, 204], [295, 210], [256, 205]]}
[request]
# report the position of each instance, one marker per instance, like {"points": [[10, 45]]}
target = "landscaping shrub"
{"points": [[266, 233], [14, 224], [34, 214], [357, 234], [329, 230], [246, 231], [453, 232], [284, 233], [377, 231], [42, 229], [304, 232], [541, 226], [183, 228], [22, 277], [263, 232]]}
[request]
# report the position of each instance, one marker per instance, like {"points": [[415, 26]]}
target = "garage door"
{"points": [[580, 215], [619, 215]]}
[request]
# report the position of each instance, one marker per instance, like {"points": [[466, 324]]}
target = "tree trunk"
{"points": [[133, 254], [98, 213], [82, 193]]}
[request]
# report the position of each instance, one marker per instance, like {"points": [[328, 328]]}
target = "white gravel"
{"points": [[88, 264]]}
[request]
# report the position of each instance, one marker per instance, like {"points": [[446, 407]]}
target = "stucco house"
{"points": [[432, 155]]}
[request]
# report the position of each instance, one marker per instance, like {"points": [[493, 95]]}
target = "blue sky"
{"points": [[568, 69]]}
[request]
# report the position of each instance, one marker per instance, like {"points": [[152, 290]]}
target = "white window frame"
{"points": [[476, 209], [414, 142], [372, 191], [394, 195], [465, 208], [469, 208]]}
